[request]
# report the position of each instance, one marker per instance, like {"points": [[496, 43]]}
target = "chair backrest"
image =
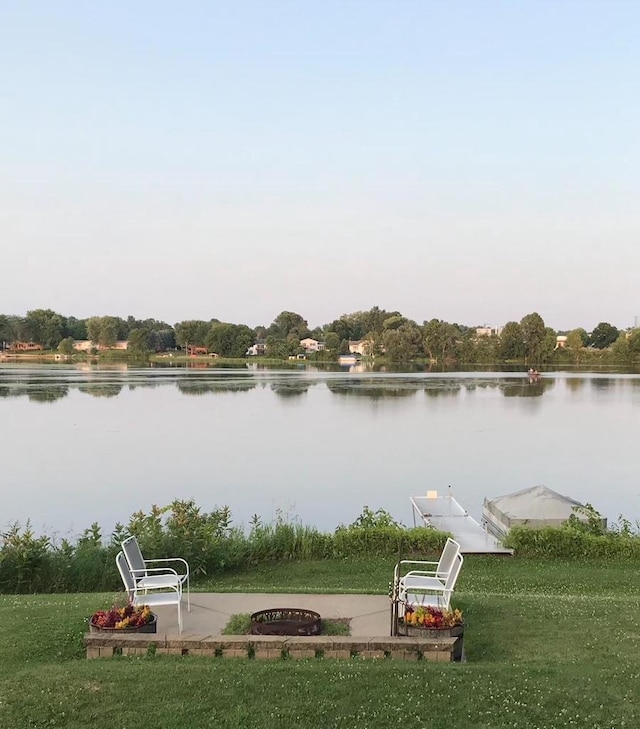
{"points": [[448, 556], [450, 582], [127, 579], [134, 557]]}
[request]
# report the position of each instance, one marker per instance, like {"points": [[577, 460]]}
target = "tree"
{"points": [[533, 334], [603, 336], [276, 348], [548, 345], [576, 341], [7, 331], [138, 342], [621, 350], [403, 344], [162, 339], [66, 346], [331, 342], [103, 330], [75, 328], [289, 323], [45, 327], [511, 341], [440, 340], [634, 341], [192, 332], [230, 340]]}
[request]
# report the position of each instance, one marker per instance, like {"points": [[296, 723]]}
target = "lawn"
{"points": [[550, 644]]}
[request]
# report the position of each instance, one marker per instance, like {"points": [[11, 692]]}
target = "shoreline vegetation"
{"points": [[377, 335], [213, 546]]}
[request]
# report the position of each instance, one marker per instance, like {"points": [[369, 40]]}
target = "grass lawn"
{"points": [[549, 644]]}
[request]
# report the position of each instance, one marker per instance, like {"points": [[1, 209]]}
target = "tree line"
{"points": [[380, 332]]}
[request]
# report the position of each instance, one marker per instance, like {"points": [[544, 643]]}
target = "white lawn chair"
{"points": [[420, 582], [440, 569], [170, 595], [416, 589], [148, 577]]}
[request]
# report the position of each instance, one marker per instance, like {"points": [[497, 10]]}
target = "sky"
{"points": [[468, 161]]}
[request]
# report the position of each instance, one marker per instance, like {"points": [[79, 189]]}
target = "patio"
{"points": [[210, 612]]}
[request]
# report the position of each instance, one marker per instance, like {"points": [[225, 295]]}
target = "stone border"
{"points": [[270, 646]]}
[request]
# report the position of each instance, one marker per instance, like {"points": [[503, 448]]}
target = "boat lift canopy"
{"points": [[447, 515]]}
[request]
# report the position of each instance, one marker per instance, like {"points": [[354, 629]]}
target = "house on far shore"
{"points": [[193, 351], [259, 349], [86, 345], [25, 347], [487, 331], [360, 346], [311, 345]]}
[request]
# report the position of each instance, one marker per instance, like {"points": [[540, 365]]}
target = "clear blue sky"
{"points": [[471, 161]]}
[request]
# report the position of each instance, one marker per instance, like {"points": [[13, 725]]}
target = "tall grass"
{"points": [[208, 541]]}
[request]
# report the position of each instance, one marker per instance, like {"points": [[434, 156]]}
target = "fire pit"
{"points": [[285, 621]]}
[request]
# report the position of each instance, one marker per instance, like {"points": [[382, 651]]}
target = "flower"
{"points": [[122, 617], [430, 617]]}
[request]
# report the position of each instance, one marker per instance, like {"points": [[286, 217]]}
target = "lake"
{"points": [[84, 444]]}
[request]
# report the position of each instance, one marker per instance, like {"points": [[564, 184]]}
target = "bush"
{"points": [[569, 542], [208, 541]]}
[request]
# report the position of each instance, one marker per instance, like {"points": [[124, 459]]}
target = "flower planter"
{"points": [[150, 627], [457, 631]]}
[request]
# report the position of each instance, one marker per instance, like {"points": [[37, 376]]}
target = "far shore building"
{"points": [[311, 345], [194, 351], [363, 347], [25, 347], [259, 349], [86, 345], [487, 331]]}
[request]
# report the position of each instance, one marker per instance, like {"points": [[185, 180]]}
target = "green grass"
{"points": [[240, 624], [550, 644]]}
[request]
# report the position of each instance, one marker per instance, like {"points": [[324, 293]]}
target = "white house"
{"points": [[311, 345]]}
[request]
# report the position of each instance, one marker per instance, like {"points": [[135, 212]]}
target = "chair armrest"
{"points": [[169, 559], [416, 561], [157, 570]]}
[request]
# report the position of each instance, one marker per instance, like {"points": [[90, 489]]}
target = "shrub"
{"points": [[208, 541]]}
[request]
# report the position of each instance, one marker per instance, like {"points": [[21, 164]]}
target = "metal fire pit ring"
{"points": [[285, 621]]}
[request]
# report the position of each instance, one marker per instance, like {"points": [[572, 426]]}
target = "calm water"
{"points": [[84, 445]]}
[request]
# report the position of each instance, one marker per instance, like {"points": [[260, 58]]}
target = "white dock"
{"points": [[446, 514]]}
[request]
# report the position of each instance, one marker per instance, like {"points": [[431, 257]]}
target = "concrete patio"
{"points": [[210, 612]]}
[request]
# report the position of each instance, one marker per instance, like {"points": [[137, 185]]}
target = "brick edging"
{"points": [[100, 645]]}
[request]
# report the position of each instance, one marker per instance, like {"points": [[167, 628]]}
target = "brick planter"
{"points": [[441, 648], [456, 632]]}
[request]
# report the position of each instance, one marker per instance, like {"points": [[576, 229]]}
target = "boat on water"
{"points": [[537, 506]]}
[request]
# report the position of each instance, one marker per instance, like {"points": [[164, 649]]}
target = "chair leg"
{"points": [[188, 596]]}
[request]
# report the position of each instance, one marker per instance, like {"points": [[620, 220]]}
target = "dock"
{"points": [[447, 515]]}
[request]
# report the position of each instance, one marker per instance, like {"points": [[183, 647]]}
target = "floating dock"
{"points": [[446, 514]]}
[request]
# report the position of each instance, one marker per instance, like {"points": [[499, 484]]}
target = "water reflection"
{"points": [[575, 383], [527, 387], [369, 388], [290, 389], [49, 383], [440, 388], [48, 394], [203, 387], [105, 389]]}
